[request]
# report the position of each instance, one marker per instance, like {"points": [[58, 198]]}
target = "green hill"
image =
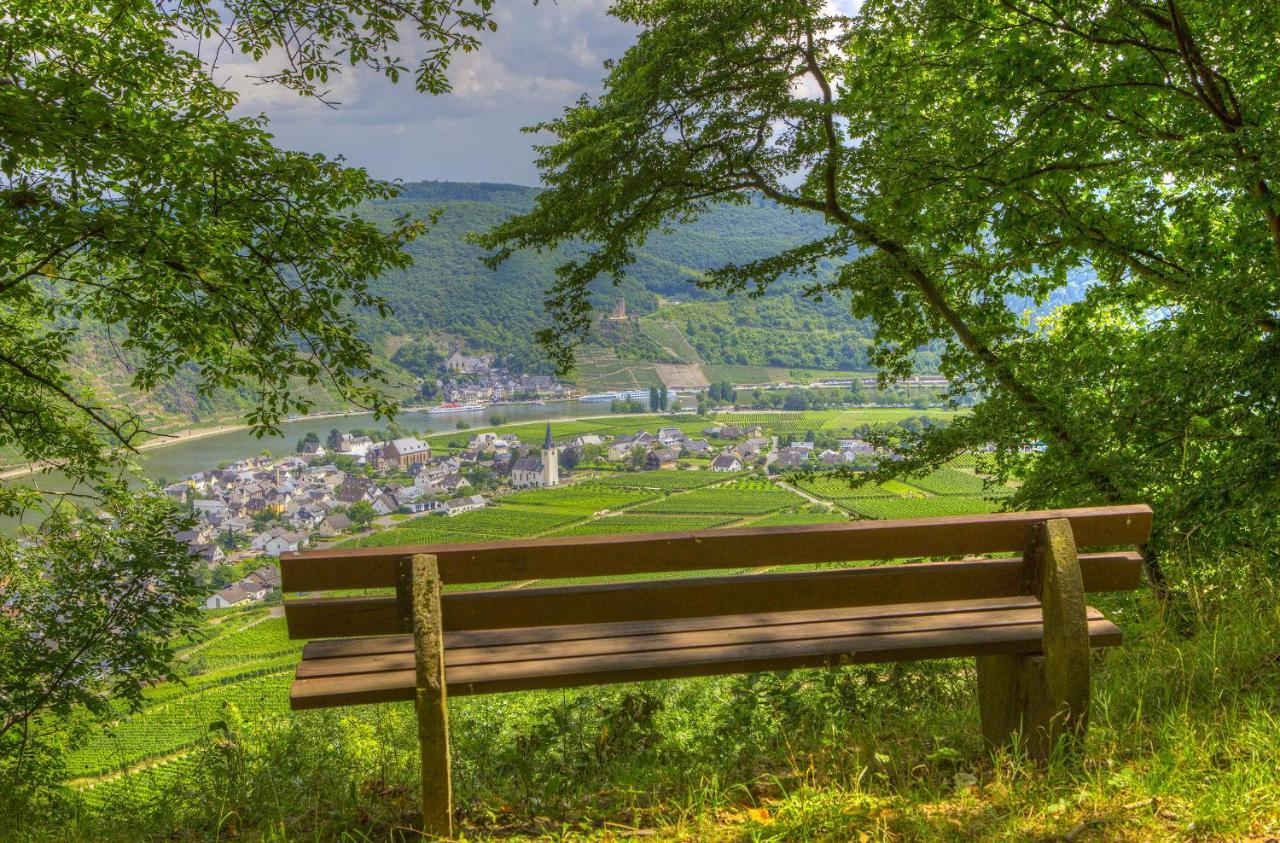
{"points": [[451, 296]]}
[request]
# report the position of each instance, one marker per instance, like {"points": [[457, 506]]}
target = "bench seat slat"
{"points": [[697, 653], [346, 647], [749, 629]]}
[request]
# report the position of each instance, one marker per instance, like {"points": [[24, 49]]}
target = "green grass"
{"points": [[787, 519], [951, 481], [741, 497], [919, 507], [631, 522], [1182, 746], [1184, 737], [585, 498], [170, 725], [667, 480]]}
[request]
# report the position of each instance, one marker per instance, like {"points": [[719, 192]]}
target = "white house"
{"points": [[384, 504], [858, 446], [208, 507], [458, 506], [284, 543], [356, 446], [226, 598], [726, 462]]}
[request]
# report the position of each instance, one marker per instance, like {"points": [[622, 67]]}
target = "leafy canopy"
{"points": [[970, 159], [132, 201], [131, 197]]}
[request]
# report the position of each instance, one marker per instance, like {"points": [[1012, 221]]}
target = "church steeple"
{"points": [[550, 460]]}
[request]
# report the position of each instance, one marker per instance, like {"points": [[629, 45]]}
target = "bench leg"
{"points": [[431, 699], [1043, 699], [1014, 704]]}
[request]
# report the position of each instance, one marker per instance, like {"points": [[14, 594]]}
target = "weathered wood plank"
{"points": [[702, 596], [347, 647], [684, 551], [1066, 637], [481, 652], [773, 592], [323, 617], [357, 689], [431, 699], [1038, 701]]}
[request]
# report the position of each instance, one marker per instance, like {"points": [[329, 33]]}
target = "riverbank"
{"points": [[160, 440]]}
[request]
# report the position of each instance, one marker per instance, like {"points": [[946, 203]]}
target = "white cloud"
{"points": [[539, 61]]}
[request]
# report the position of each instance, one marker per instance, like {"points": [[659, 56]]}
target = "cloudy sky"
{"points": [[540, 60]]}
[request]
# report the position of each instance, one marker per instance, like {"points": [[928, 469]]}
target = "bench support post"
{"points": [[431, 699], [1036, 701]]}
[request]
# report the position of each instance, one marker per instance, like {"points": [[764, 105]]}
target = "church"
{"points": [[543, 470]]}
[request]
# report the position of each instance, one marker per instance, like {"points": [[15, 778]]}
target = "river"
{"points": [[173, 462]]}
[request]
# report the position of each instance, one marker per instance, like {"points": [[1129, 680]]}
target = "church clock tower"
{"points": [[550, 460]]}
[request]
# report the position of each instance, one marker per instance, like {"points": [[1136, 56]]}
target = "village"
{"points": [[477, 379], [249, 512]]}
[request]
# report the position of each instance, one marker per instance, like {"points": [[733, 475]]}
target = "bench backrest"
{"points": [[700, 551]]}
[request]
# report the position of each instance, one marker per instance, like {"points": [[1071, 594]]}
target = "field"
{"points": [[670, 338], [247, 662], [585, 498], [778, 422], [738, 497], [665, 480], [599, 369], [947, 491]]}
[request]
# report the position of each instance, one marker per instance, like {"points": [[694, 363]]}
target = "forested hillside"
{"points": [[451, 294]]}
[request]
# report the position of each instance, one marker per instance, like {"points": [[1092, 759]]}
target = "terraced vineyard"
{"points": [[645, 523], [667, 480], [482, 525], [951, 481], [739, 497], [839, 490], [920, 507], [264, 640], [585, 498], [798, 422], [787, 519], [176, 718]]}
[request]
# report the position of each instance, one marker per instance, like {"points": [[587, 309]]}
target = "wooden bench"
{"points": [[1023, 617]]}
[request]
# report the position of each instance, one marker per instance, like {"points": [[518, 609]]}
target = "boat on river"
{"points": [[455, 407]]}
